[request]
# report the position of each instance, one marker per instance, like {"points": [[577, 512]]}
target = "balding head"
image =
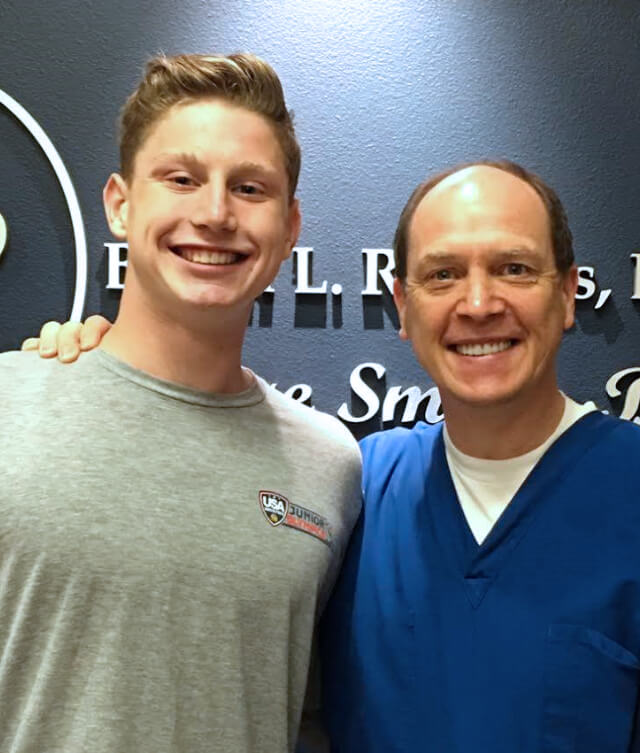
{"points": [[559, 232]]}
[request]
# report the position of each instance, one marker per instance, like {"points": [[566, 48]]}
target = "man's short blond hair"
{"points": [[240, 79]]}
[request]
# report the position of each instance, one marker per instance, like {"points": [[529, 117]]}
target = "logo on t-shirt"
{"points": [[279, 511], [274, 506]]}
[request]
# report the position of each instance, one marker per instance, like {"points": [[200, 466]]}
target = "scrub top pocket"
{"points": [[591, 689]]}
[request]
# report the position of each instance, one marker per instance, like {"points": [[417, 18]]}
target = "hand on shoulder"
{"points": [[68, 340]]}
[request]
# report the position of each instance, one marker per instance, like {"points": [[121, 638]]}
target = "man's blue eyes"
{"points": [[516, 269], [244, 188], [512, 269]]}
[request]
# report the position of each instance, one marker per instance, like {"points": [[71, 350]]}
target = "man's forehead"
{"points": [[478, 198], [201, 130], [192, 121]]}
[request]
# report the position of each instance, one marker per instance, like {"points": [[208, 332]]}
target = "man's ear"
{"points": [[295, 223], [569, 284], [400, 299], [115, 198]]}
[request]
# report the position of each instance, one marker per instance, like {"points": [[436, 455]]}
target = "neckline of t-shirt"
{"points": [[482, 469], [253, 395]]}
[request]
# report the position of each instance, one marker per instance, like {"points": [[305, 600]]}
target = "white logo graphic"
{"points": [[69, 194], [3, 234]]}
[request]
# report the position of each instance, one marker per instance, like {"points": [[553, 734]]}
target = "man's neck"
{"points": [[193, 353], [498, 432]]}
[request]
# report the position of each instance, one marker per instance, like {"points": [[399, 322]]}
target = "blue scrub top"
{"points": [[528, 642]]}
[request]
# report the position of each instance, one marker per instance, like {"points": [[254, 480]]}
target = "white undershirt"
{"points": [[485, 487]]}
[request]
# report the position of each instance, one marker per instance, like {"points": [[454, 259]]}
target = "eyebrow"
{"points": [[444, 257], [186, 157], [517, 251], [191, 159], [255, 167], [438, 258]]}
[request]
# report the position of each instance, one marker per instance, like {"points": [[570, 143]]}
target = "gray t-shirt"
{"points": [[164, 554]]}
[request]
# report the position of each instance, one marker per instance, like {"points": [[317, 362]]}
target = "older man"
{"points": [[491, 596]]}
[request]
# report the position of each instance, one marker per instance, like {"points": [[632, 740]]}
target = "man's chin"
{"points": [[208, 297], [484, 396], [208, 305]]}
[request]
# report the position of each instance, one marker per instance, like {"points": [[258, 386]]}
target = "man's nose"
{"points": [[215, 207], [480, 297]]}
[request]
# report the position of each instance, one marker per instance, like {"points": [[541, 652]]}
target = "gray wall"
{"points": [[384, 93]]}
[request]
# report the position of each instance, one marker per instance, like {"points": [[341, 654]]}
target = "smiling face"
{"points": [[206, 212], [483, 303]]}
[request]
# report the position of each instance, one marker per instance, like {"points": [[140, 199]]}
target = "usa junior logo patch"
{"points": [[274, 506], [279, 511]]}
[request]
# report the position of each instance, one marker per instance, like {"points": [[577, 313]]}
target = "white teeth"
{"points": [[483, 349], [208, 257]]}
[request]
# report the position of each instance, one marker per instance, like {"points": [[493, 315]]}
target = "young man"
{"points": [[163, 596], [490, 600]]}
